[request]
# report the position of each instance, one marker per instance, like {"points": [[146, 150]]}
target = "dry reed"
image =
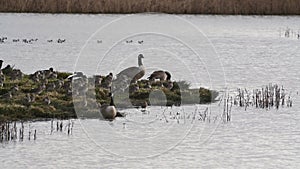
{"points": [[246, 7]]}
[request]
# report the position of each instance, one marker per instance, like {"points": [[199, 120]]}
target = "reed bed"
{"points": [[246, 7], [10, 131], [270, 96], [20, 131], [289, 33]]}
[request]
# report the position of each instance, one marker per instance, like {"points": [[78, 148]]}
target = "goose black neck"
{"points": [[140, 61], [112, 101]]}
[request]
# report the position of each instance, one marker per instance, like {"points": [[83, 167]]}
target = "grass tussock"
{"points": [[246, 7]]}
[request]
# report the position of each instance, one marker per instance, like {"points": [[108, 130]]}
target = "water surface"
{"points": [[252, 53]]}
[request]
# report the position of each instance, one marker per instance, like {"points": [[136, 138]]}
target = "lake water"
{"points": [[219, 52]]}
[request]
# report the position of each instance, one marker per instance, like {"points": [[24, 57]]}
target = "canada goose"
{"points": [[169, 85], [40, 89], [48, 72], [7, 95], [161, 75], [15, 89], [98, 80], [133, 73], [53, 75], [141, 41], [47, 100], [7, 70], [144, 105], [28, 98], [59, 84], [2, 40], [61, 40], [1, 81], [32, 96], [50, 86], [50, 40], [16, 74], [107, 81], [148, 85], [108, 111]]}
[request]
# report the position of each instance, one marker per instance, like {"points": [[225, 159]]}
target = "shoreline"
{"points": [[150, 13]]}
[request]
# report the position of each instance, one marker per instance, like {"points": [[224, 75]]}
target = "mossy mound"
{"points": [[50, 94]]}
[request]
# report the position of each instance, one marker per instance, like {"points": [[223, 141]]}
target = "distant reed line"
{"points": [[243, 7]]}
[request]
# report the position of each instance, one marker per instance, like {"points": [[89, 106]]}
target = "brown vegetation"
{"points": [[247, 7]]}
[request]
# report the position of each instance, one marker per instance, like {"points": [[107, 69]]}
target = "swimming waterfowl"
{"points": [[2, 39], [108, 112], [61, 40], [133, 73], [161, 75]]}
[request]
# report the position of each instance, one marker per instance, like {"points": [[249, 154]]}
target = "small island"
{"points": [[48, 94]]}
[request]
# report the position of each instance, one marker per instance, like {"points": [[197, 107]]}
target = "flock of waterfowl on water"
{"points": [[4, 39]]}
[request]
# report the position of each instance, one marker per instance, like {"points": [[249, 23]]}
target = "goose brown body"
{"points": [[161, 75], [108, 112]]}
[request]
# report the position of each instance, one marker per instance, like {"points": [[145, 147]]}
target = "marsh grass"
{"points": [[246, 7]]}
